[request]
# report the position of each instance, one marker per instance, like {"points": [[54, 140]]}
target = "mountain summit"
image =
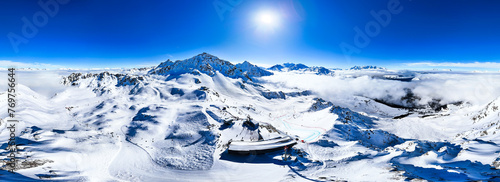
{"points": [[319, 70], [209, 64], [366, 68], [289, 66]]}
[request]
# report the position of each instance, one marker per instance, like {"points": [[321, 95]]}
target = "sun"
{"points": [[267, 19]]}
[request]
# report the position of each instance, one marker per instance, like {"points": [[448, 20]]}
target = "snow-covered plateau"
{"points": [[175, 121]]}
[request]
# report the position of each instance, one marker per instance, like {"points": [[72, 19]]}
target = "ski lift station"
{"points": [[259, 138]]}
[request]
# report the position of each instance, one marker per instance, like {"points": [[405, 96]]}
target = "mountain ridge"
{"points": [[319, 70], [209, 64]]}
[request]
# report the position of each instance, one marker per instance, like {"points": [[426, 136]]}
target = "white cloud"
{"points": [[476, 88], [45, 83], [8, 64], [487, 65]]}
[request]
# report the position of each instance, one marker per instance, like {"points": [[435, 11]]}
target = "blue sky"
{"points": [[125, 33]]}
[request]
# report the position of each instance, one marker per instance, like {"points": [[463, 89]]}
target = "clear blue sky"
{"points": [[126, 33]]}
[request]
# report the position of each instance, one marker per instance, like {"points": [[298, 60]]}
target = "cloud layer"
{"points": [[447, 87], [485, 65]]}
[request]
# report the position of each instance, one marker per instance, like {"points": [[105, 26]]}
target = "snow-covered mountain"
{"points": [[209, 64], [288, 66], [302, 68], [366, 68], [174, 122]]}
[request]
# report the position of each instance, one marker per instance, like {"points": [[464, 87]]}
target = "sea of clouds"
{"points": [[474, 88]]}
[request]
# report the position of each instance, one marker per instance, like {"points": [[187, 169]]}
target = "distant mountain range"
{"points": [[209, 64], [366, 68], [301, 67]]}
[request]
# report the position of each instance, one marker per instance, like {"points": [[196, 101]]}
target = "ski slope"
{"points": [[144, 125]]}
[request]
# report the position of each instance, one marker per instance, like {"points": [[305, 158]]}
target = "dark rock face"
{"points": [[274, 95], [176, 91]]}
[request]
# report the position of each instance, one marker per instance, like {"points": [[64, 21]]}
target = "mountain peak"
{"points": [[250, 69], [289, 66], [301, 67], [210, 64], [206, 55], [293, 66], [367, 68]]}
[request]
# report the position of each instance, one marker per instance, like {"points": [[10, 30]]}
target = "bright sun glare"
{"points": [[267, 19]]}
